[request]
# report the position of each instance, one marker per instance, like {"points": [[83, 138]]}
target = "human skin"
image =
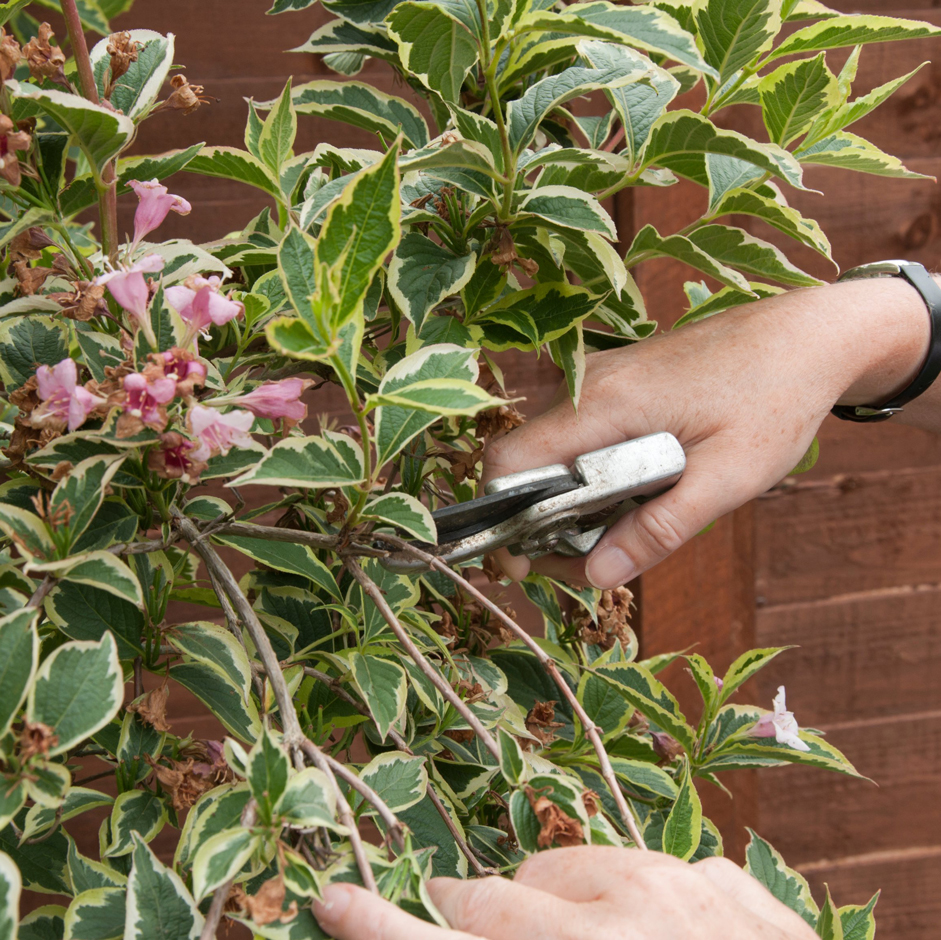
{"points": [[744, 392], [601, 892]]}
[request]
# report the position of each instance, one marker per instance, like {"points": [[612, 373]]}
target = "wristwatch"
{"points": [[924, 283]]}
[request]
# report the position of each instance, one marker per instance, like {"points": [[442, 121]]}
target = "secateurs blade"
{"points": [[554, 508]]}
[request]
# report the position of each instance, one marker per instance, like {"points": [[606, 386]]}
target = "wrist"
{"points": [[873, 336]]}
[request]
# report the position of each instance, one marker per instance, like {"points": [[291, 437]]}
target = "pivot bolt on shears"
{"points": [[554, 508]]}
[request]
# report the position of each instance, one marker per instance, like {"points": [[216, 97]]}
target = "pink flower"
{"points": [[218, 433], [128, 287], [174, 460], [276, 400], [719, 683], [781, 725], [65, 403], [145, 397], [182, 367], [155, 202], [200, 303]]}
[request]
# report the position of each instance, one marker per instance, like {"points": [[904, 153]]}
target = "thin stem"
{"points": [[278, 534], [39, 594], [590, 728], [108, 187], [346, 814], [349, 386], [490, 79], [437, 680], [221, 894], [292, 733], [337, 687]]}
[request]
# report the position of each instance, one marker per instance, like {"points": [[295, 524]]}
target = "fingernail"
{"points": [[609, 567], [336, 899]]}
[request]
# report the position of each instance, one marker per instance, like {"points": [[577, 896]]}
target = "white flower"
{"points": [[781, 724]]}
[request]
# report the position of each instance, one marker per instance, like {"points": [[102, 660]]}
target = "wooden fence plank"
{"points": [[870, 655], [852, 533]]}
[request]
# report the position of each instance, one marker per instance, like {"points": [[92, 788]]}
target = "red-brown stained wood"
{"points": [[910, 905], [809, 814], [853, 533], [870, 655]]}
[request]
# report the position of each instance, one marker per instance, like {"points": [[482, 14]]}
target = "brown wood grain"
{"points": [[809, 813], [852, 533], [909, 907]]}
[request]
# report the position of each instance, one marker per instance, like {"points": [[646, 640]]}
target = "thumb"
{"points": [[653, 531]]}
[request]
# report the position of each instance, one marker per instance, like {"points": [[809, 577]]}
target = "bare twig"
{"points": [[589, 727], [401, 744], [293, 735], [221, 894], [278, 534], [437, 680], [320, 760], [40, 593]]}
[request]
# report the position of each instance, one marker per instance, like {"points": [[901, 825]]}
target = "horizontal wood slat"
{"points": [[871, 655], [808, 813], [910, 904], [852, 533]]}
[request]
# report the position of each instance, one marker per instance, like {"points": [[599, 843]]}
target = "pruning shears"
{"points": [[554, 508]]}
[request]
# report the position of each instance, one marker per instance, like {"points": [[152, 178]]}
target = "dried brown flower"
{"points": [[29, 244], [541, 723], [172, 460], [10, 55], [464, 464], [123, 51], [152, 707], [202, 768], [495, 420], [503, 253], [83, 303], [31, 279], [666, 746], [13, 139], [268, 904], [340, 504], [36, 738], [555, 824], [184, 97], [592, 803], [613, 624], [44, 59]]}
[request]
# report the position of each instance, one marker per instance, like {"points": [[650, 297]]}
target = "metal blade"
{"points": [[475, 515]]}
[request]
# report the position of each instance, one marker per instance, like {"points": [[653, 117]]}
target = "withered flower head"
{"points": [[173, 459], [666, 746], [613, 621], [36, 738], [10, 54], [43, 58], [12, 140], [541, 723], [83, 303], [30, 279], [556, 826], [495, 420], [184, 97], [267, 905], [123, 51], [503, 253], [29, 244], [152, 707]]}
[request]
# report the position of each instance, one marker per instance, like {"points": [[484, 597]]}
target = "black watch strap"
{"points": [[924, 283]]}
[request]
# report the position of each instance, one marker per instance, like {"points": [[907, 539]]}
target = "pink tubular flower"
{"points": [[145, 398], [128, 286], [276, 400], [219, 433], [781, 725], [155, 203], [200, 302], [65, 403], [182, 367]]}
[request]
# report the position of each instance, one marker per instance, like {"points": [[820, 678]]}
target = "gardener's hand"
{"points": [[600, 892], [744, 392]]}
